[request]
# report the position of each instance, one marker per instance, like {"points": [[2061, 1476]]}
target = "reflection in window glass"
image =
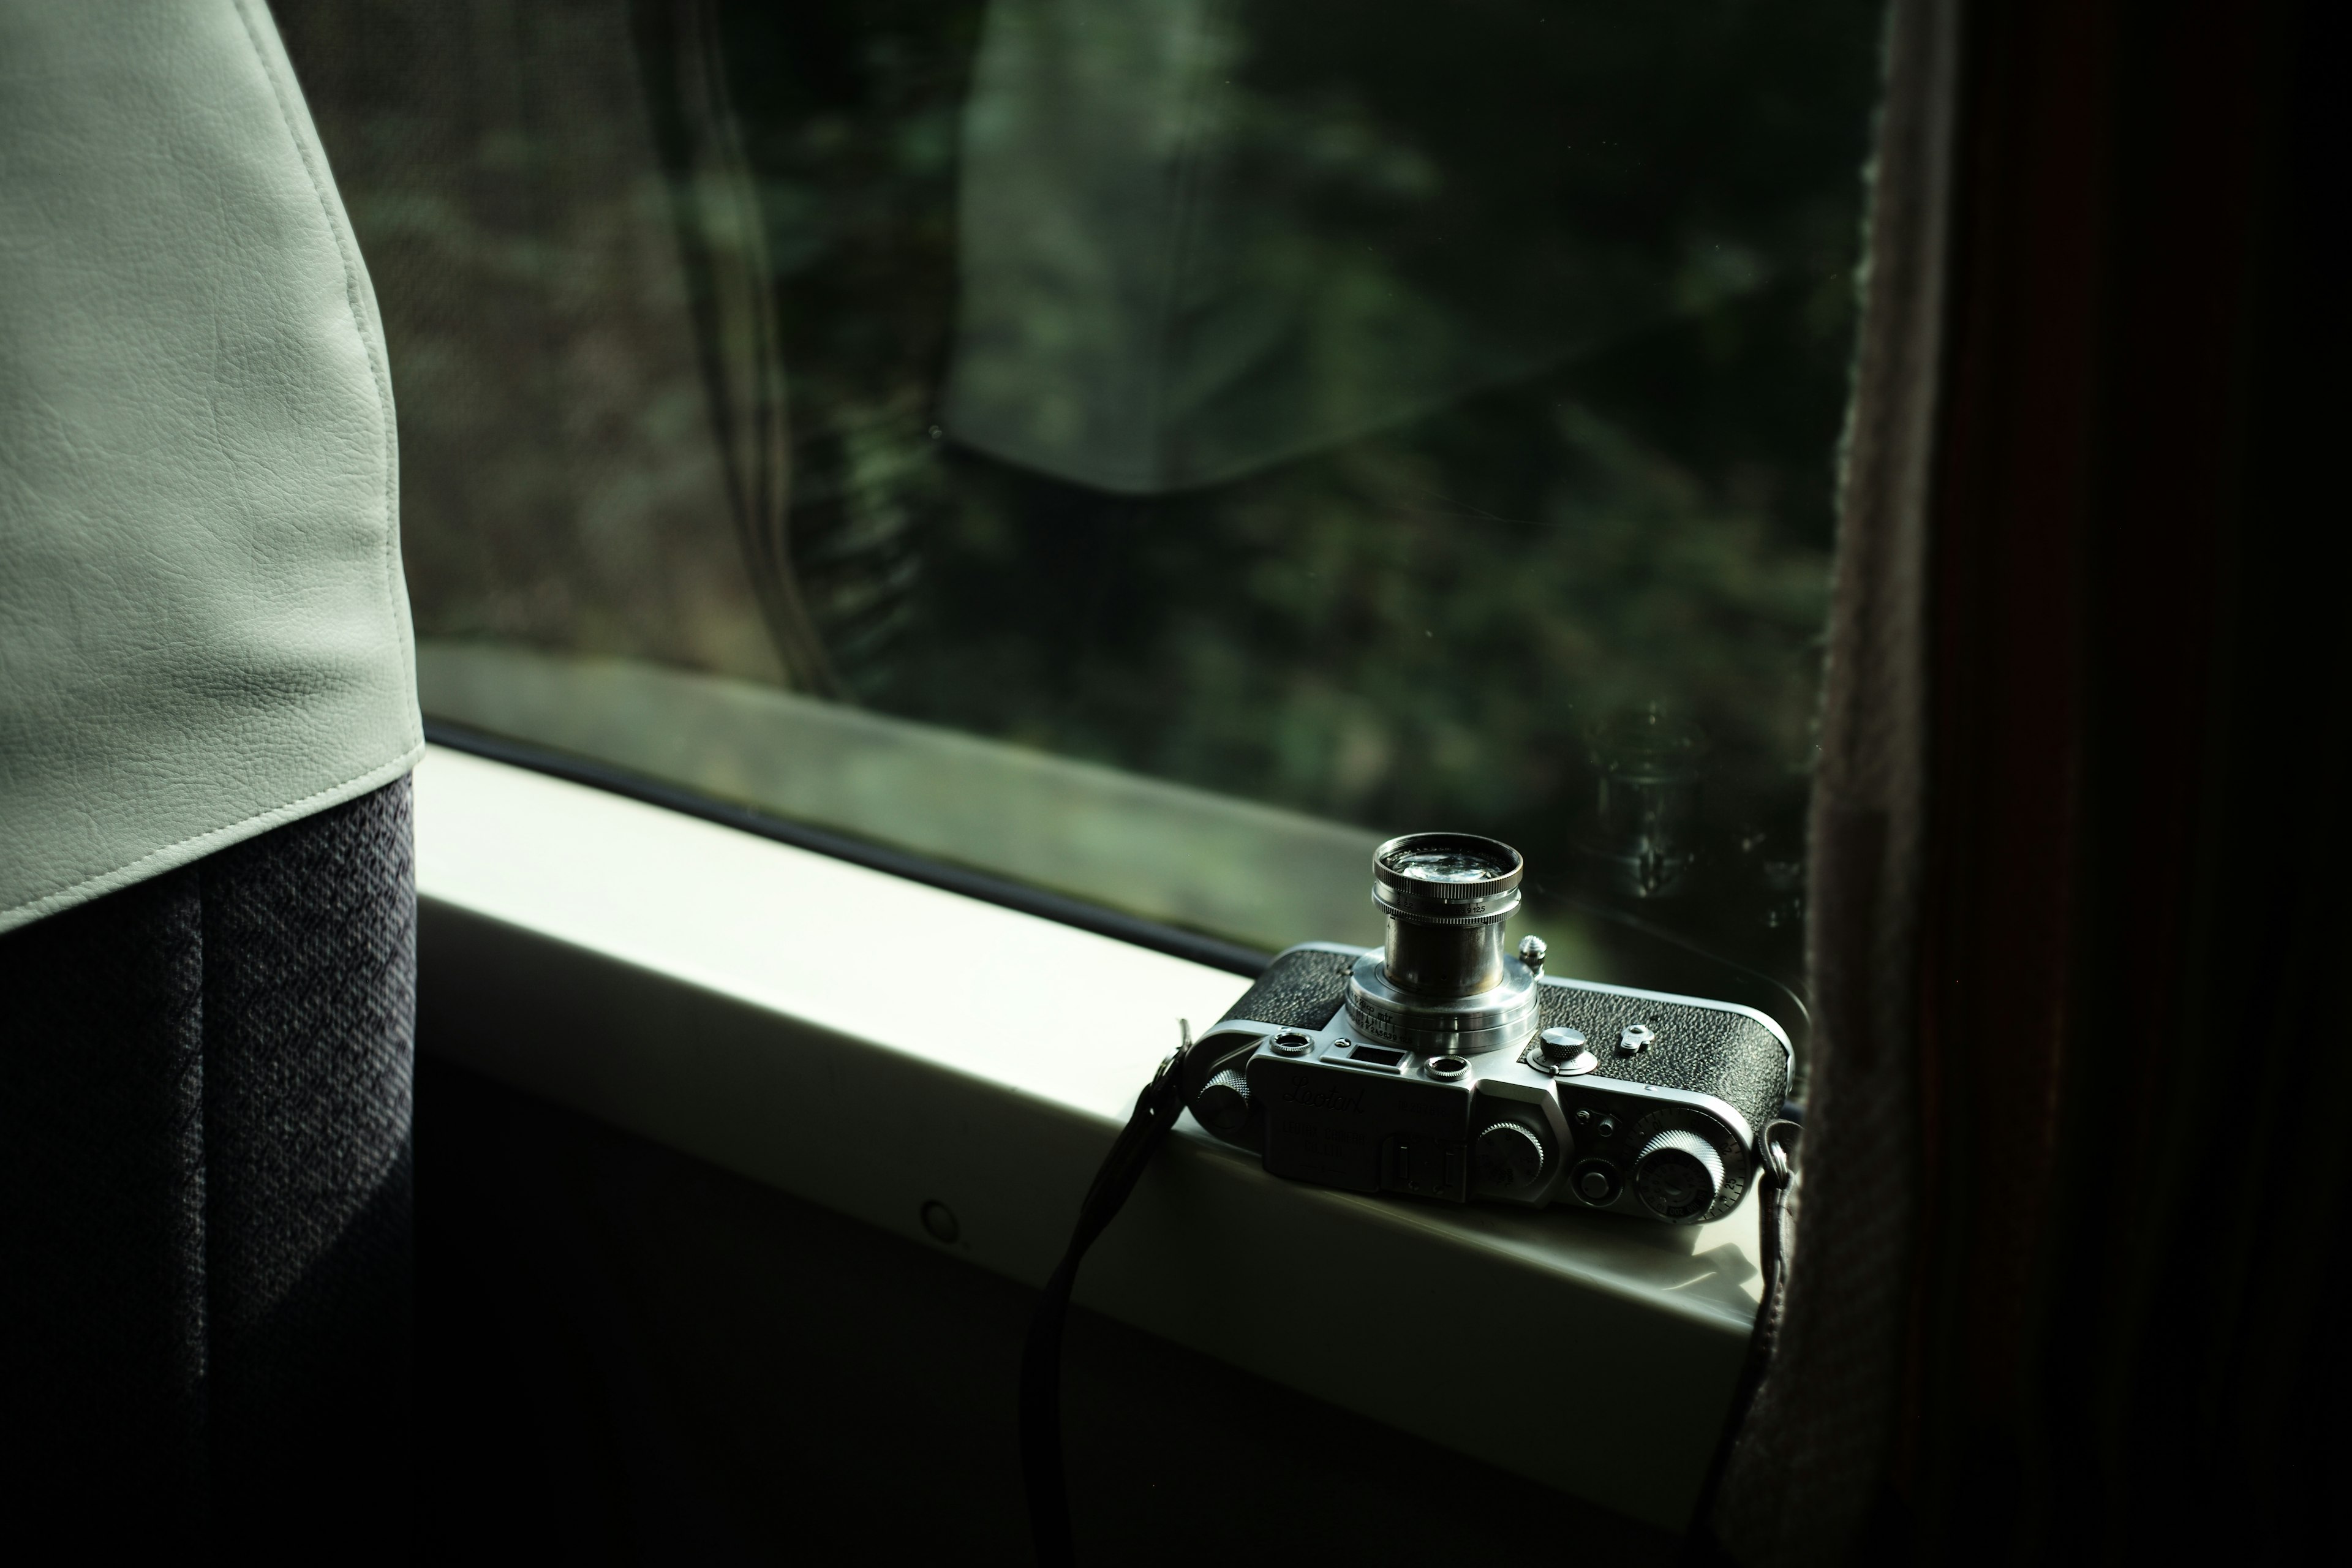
{"points": [[1147, 449]]}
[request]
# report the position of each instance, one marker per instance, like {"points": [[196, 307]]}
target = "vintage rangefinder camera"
{"points": [[1441, 1065]]}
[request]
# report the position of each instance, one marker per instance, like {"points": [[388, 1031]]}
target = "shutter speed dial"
{"points": [[1511, 1155], [1677, 1175]]}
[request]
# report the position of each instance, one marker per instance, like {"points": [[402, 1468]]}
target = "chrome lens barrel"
{"points": [[1443, 980], [1446, 896]]}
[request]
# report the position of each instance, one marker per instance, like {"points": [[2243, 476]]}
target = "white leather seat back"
{"points": [[203, 631]]}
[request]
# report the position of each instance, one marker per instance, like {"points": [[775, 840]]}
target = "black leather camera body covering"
{"points": [[1657, 1118]]}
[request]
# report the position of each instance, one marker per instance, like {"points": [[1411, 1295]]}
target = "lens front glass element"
{"points": [[1446, 863]]}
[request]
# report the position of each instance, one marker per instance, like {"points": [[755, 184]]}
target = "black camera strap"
{"points": [[1775, 1174], [1156, 1110]]}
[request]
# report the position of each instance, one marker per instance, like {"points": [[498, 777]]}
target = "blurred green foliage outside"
{"points": [[1510, 336]]}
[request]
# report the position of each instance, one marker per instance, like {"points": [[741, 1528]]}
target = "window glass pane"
{"points": [[1151, 449]]}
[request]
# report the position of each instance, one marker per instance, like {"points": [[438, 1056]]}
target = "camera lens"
{"points": [[1442, 983], [1445, 896]]}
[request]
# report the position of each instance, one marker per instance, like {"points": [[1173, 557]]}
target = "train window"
{"points": [[1146, 450]]}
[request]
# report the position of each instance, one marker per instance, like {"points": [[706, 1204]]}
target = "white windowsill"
{"points": [[873, 1045]]}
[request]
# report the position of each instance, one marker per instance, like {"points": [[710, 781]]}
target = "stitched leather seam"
{"points": [[378, 367], [128, 872]]}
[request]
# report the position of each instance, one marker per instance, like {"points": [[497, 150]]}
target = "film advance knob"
{"points": [[1677, 1175], [1510, 1156]]}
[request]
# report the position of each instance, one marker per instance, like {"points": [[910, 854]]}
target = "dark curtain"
{"points": [[2069, 1251]]}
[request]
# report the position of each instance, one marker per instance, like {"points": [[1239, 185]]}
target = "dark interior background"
{"points": [[628, 1355]]}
